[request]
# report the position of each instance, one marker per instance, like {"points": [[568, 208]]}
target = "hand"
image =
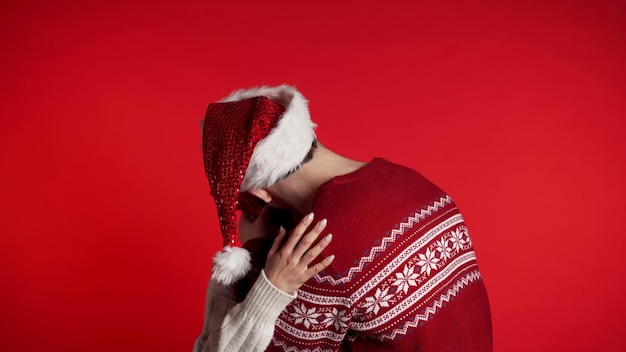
{"points": [[287, 265]]}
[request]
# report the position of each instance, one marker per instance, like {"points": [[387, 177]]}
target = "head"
{"points": [[272, 194], [254, 140]]}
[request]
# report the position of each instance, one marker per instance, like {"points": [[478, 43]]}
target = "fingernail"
{"points": [[309, 218], [322, 223], [330, 258], [328, 237]]}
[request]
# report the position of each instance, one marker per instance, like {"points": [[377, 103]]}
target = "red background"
{"points": [[107, 227]]}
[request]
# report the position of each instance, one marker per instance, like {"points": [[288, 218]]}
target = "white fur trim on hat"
{"points": [[287, 144], [231, 264]]}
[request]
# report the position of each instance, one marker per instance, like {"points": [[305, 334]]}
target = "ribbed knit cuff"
{"points": [[265, 301]]}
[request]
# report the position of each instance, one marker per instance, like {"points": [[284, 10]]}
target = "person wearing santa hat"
{"points": [[405, 276], [232, 326], [232, 130]]}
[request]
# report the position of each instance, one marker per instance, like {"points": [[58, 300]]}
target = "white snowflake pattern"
{"points": [[457, 239], [445, 252], [427, 261], [336, 318], [380, 299], [468, 240], [305, 316], [406, 278]]}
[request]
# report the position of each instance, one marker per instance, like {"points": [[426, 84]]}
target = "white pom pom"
{"points": [[231, 264]]}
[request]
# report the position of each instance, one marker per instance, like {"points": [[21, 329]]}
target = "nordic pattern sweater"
{"points": [[405, 276]]}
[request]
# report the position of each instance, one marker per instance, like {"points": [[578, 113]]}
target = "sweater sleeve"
{"points": [[247, 326]]}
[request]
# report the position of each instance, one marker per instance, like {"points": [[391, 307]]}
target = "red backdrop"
{"points": [[107, 227]]}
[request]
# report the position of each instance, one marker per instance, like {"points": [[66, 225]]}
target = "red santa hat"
{"points": [[250, 140]]}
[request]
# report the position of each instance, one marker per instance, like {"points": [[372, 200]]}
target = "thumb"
{"points": [[278, 242]]}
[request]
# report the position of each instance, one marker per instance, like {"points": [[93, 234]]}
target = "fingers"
{"points": [[312, 253], [296, 248], [318, 267], [287, 265], [306, 241], [278, 242], [297, 233]]}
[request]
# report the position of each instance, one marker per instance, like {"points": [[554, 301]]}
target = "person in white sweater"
{"points": [[249, 325], [244, 139]]}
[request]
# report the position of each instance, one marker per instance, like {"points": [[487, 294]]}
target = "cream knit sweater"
{"points": [[247, 326]]}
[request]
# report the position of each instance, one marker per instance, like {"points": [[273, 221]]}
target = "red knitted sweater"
{"points": [[405, 276]]}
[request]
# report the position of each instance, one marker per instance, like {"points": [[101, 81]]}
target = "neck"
{"points": [[299, 189]]}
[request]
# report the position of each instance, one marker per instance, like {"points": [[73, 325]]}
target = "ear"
{"points": [[262, 194]]}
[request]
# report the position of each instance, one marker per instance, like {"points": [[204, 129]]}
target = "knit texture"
{"points": [[405, 276], [246, 326]]}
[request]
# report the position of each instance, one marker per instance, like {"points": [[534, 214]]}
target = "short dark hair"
{"points": [[306, 159]]}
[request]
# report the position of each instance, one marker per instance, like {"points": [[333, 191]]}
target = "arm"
{"points": [[249, 325]]}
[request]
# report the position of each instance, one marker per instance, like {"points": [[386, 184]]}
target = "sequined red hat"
{"points": [[250, 140]]}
